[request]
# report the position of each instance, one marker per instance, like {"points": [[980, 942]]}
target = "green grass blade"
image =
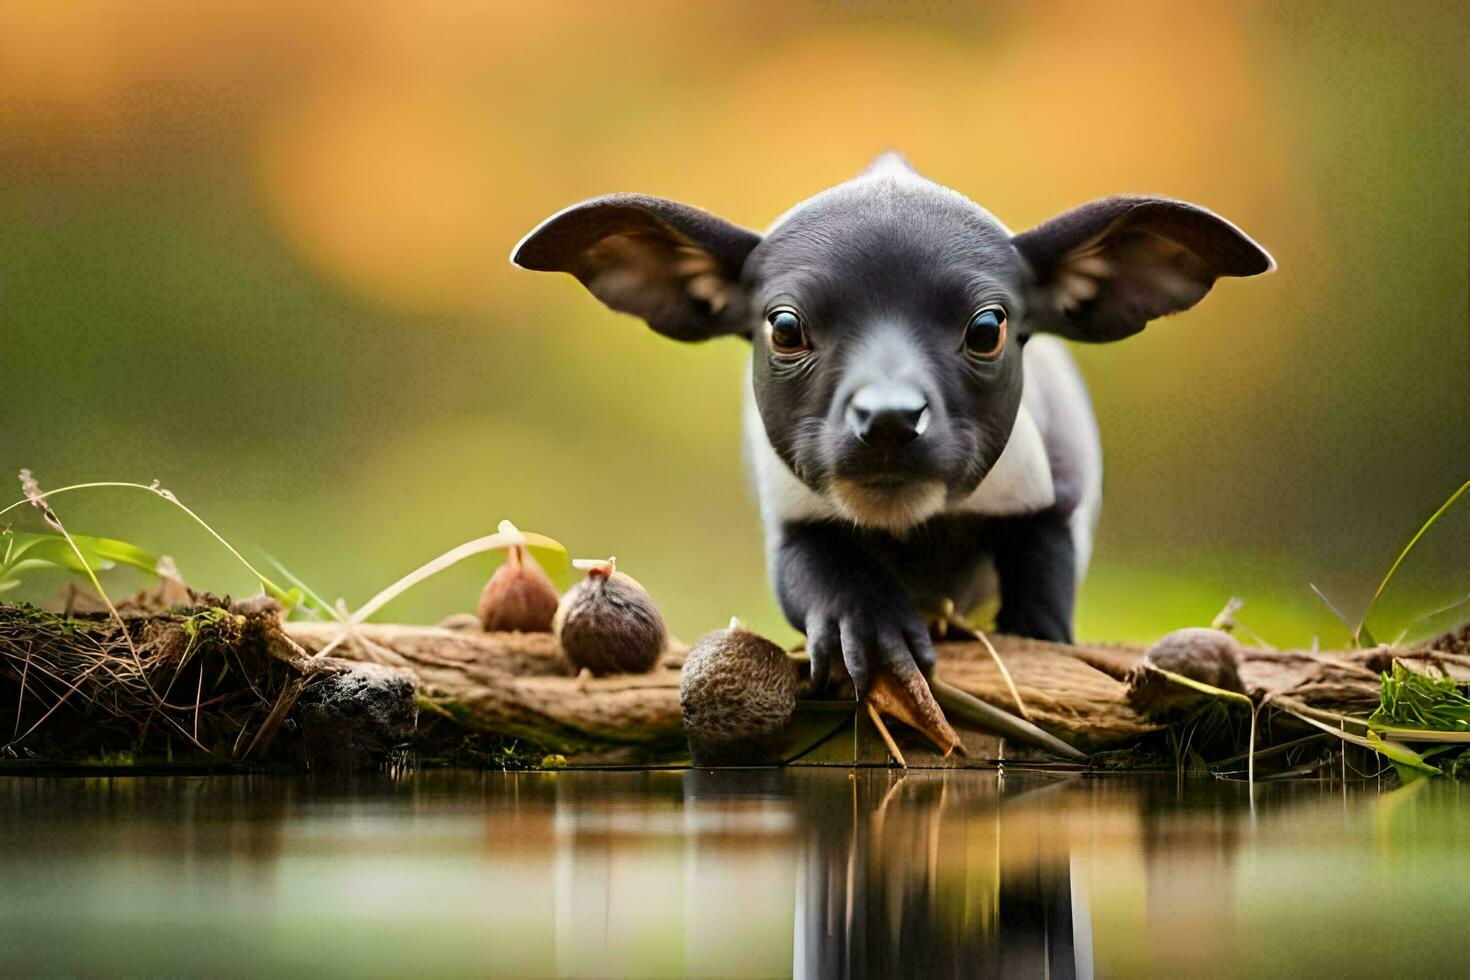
{"points": [[1421, 734], [1393, 751], [318, 604], [1432, 614], [111, 549], [52, 549], [1411, 700], [1362, 629], [1210, 690], [966, 707], [288, 598], [1346, 624], [270, 588]]}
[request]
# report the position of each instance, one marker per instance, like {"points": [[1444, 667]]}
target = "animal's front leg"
{"points": [[848, 606], [1037, 565]]}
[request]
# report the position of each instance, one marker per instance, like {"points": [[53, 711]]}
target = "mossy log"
{"points": [[519, 686]]}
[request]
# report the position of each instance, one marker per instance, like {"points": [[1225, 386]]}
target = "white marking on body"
{"points": [[781, 494], [1020, 481], [1057, 399]]}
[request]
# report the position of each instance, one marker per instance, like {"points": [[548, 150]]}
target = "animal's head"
{"points": [[887, 314]]}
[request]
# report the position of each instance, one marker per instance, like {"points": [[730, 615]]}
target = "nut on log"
{"points": [[608, 624], [519, 596], [1209, 656], [738, 696]]}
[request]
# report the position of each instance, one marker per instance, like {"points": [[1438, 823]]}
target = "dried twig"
{"points": [[887, 736], [1005, 674]]}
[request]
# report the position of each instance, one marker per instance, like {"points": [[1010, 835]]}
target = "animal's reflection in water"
{"points": [[927, 874], [813, 871]]}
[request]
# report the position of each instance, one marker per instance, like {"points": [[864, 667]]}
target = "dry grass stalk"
{"points": [[1005, 674], [886, 734]]}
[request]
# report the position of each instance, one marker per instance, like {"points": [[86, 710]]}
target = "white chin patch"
{"points": [[891, 509]]}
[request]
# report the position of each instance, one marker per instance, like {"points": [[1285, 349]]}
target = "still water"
{"points": [[737, 873]]}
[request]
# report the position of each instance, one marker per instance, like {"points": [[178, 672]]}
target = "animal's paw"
{"points": [[865, 636]]}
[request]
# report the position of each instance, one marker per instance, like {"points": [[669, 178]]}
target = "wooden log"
{"points": [[520, 686]]}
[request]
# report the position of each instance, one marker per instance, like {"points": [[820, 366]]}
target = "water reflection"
{"points": [[755, 873], [914, 874]]}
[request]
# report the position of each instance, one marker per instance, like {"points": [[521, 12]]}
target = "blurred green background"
{"points": [[259, 252]]}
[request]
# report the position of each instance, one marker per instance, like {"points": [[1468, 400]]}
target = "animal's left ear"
{"points": [[675, 266], [1103, 270]]}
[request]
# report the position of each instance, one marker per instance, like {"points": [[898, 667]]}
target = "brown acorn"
{"points": [[1202, 654], [738, 696], [608, 624], [519, 596]]}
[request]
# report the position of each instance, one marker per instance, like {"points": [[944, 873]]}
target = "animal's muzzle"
{"points": [[887, 415]]}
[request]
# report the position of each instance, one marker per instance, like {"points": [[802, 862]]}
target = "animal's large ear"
{"points": [[1105, 269], [675, 266]]}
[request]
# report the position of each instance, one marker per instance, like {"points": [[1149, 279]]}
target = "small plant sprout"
{"points": [[1005, 674], [550, 553], [948, 624], [21, 551], [37, 499]]}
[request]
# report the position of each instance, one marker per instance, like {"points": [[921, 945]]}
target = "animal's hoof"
{"points": [[864, 640]]}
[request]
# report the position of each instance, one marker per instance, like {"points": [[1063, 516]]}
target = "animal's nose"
{"points": [[887, 416]]}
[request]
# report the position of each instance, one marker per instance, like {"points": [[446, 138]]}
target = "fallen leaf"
{"points": [[911, 702]]}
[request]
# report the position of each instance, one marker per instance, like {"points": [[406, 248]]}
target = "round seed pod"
{"points": [[519, 596], [738, 695], [608, 624], [1202, 654]]}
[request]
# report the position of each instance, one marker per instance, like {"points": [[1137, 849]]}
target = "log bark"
{"points": [[520, 686]]}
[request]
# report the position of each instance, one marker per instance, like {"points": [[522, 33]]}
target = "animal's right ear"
{"points": [[1105, 269], [675, 266]]}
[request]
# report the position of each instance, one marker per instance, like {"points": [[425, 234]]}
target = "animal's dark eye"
{"points": [[785, 330], [985, 337]]}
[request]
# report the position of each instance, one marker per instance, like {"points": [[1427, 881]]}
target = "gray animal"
{"points": [[916, 432]]}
